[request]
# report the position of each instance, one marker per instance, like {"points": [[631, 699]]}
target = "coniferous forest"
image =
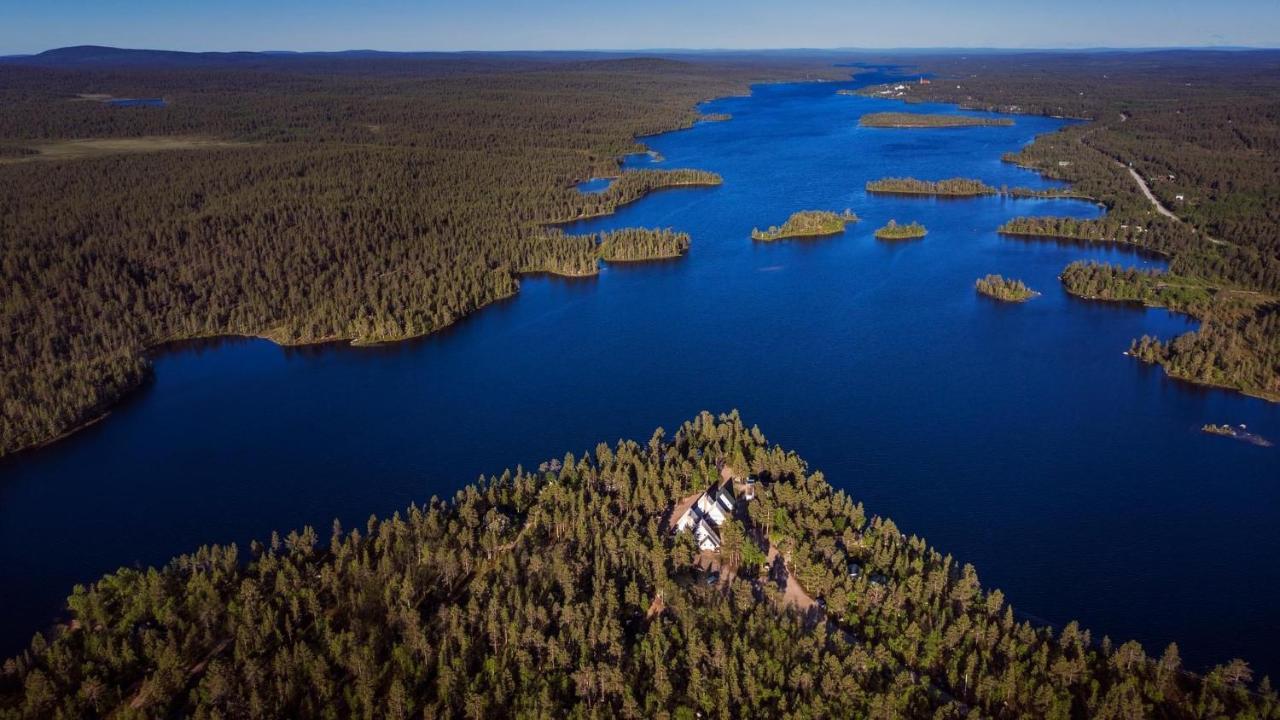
{"points": [[562, 592], [1202, 131], [360, 199]]}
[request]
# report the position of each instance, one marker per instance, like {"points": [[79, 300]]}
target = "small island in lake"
{"points": [[1005, 289], [1238, 433], [951, 187], [928, 120], [894, 231], [807, 224]]}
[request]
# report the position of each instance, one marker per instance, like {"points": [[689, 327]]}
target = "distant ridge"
{"points": [[103, 56], [106, 56]]}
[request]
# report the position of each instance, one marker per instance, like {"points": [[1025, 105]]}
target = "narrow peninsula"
{"points": [[928, 120], [951, 187], [807, 224], [1005, 289], [894, 231], [580, 255], [642, 244]]}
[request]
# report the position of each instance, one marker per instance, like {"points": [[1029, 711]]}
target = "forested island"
{"points": [[1157, 127], [562, 591], [362, 215], [928, 120], [1006, 289], [893, 231], [807, 224], [953, 187]]}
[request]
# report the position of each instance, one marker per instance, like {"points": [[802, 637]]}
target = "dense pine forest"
{"points": [[347, 198], [562, 592], [1006, 289], [959, 187], [893, 230], [921, 120], [1202, 131]]}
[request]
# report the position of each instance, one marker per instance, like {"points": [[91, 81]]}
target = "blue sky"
{"points": [[34, 25]]}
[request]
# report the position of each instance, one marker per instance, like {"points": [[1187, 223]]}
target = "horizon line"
{"points": [[653, 50]]}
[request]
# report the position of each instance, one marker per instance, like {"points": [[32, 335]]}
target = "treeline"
{"points": [[633, 185], [927, 120], [1237, 345], [1007, 289], [911, 186], [1236, 352], [895, 231], [372, 200], [561, 592], [633, 244], [1102, 281], [1066, 228]]}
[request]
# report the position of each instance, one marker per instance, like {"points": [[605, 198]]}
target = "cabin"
{"points": [[707, 537], [711, 510], [1179, 198]]}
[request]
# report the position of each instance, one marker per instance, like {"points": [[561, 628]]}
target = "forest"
{"points": [[958, 187], [893, 230], [1006, 289], [638, 244], [925, 120], [363, 199], [807, 224], [561, 592], [1238, 340], [1202, 129]]}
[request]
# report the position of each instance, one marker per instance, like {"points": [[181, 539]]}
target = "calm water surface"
{"points": [[1016, 437], [138, 102]]}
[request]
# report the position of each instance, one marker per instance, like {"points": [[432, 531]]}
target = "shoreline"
{"points": [[150, 349]]}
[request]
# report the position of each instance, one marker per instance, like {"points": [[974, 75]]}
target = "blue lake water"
{"points": [[595, 185], [138, 102], [1016, 437]]}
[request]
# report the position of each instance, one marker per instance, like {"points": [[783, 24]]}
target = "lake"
{"points": [[1015, 437], [138, 102]]}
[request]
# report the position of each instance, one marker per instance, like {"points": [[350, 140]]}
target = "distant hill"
{"points": [[80, 56]]}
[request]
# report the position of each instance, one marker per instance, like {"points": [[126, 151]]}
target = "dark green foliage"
{"points": [[1202, 129], [961, 187], [633, 244], [1237, 345], [561, 593], [1006, 289], [807, 224], [922, 120], [1238, 352], [893, 231], [366, 201]]}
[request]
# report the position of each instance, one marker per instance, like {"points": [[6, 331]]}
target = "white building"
{"points": [[711, 510]]}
